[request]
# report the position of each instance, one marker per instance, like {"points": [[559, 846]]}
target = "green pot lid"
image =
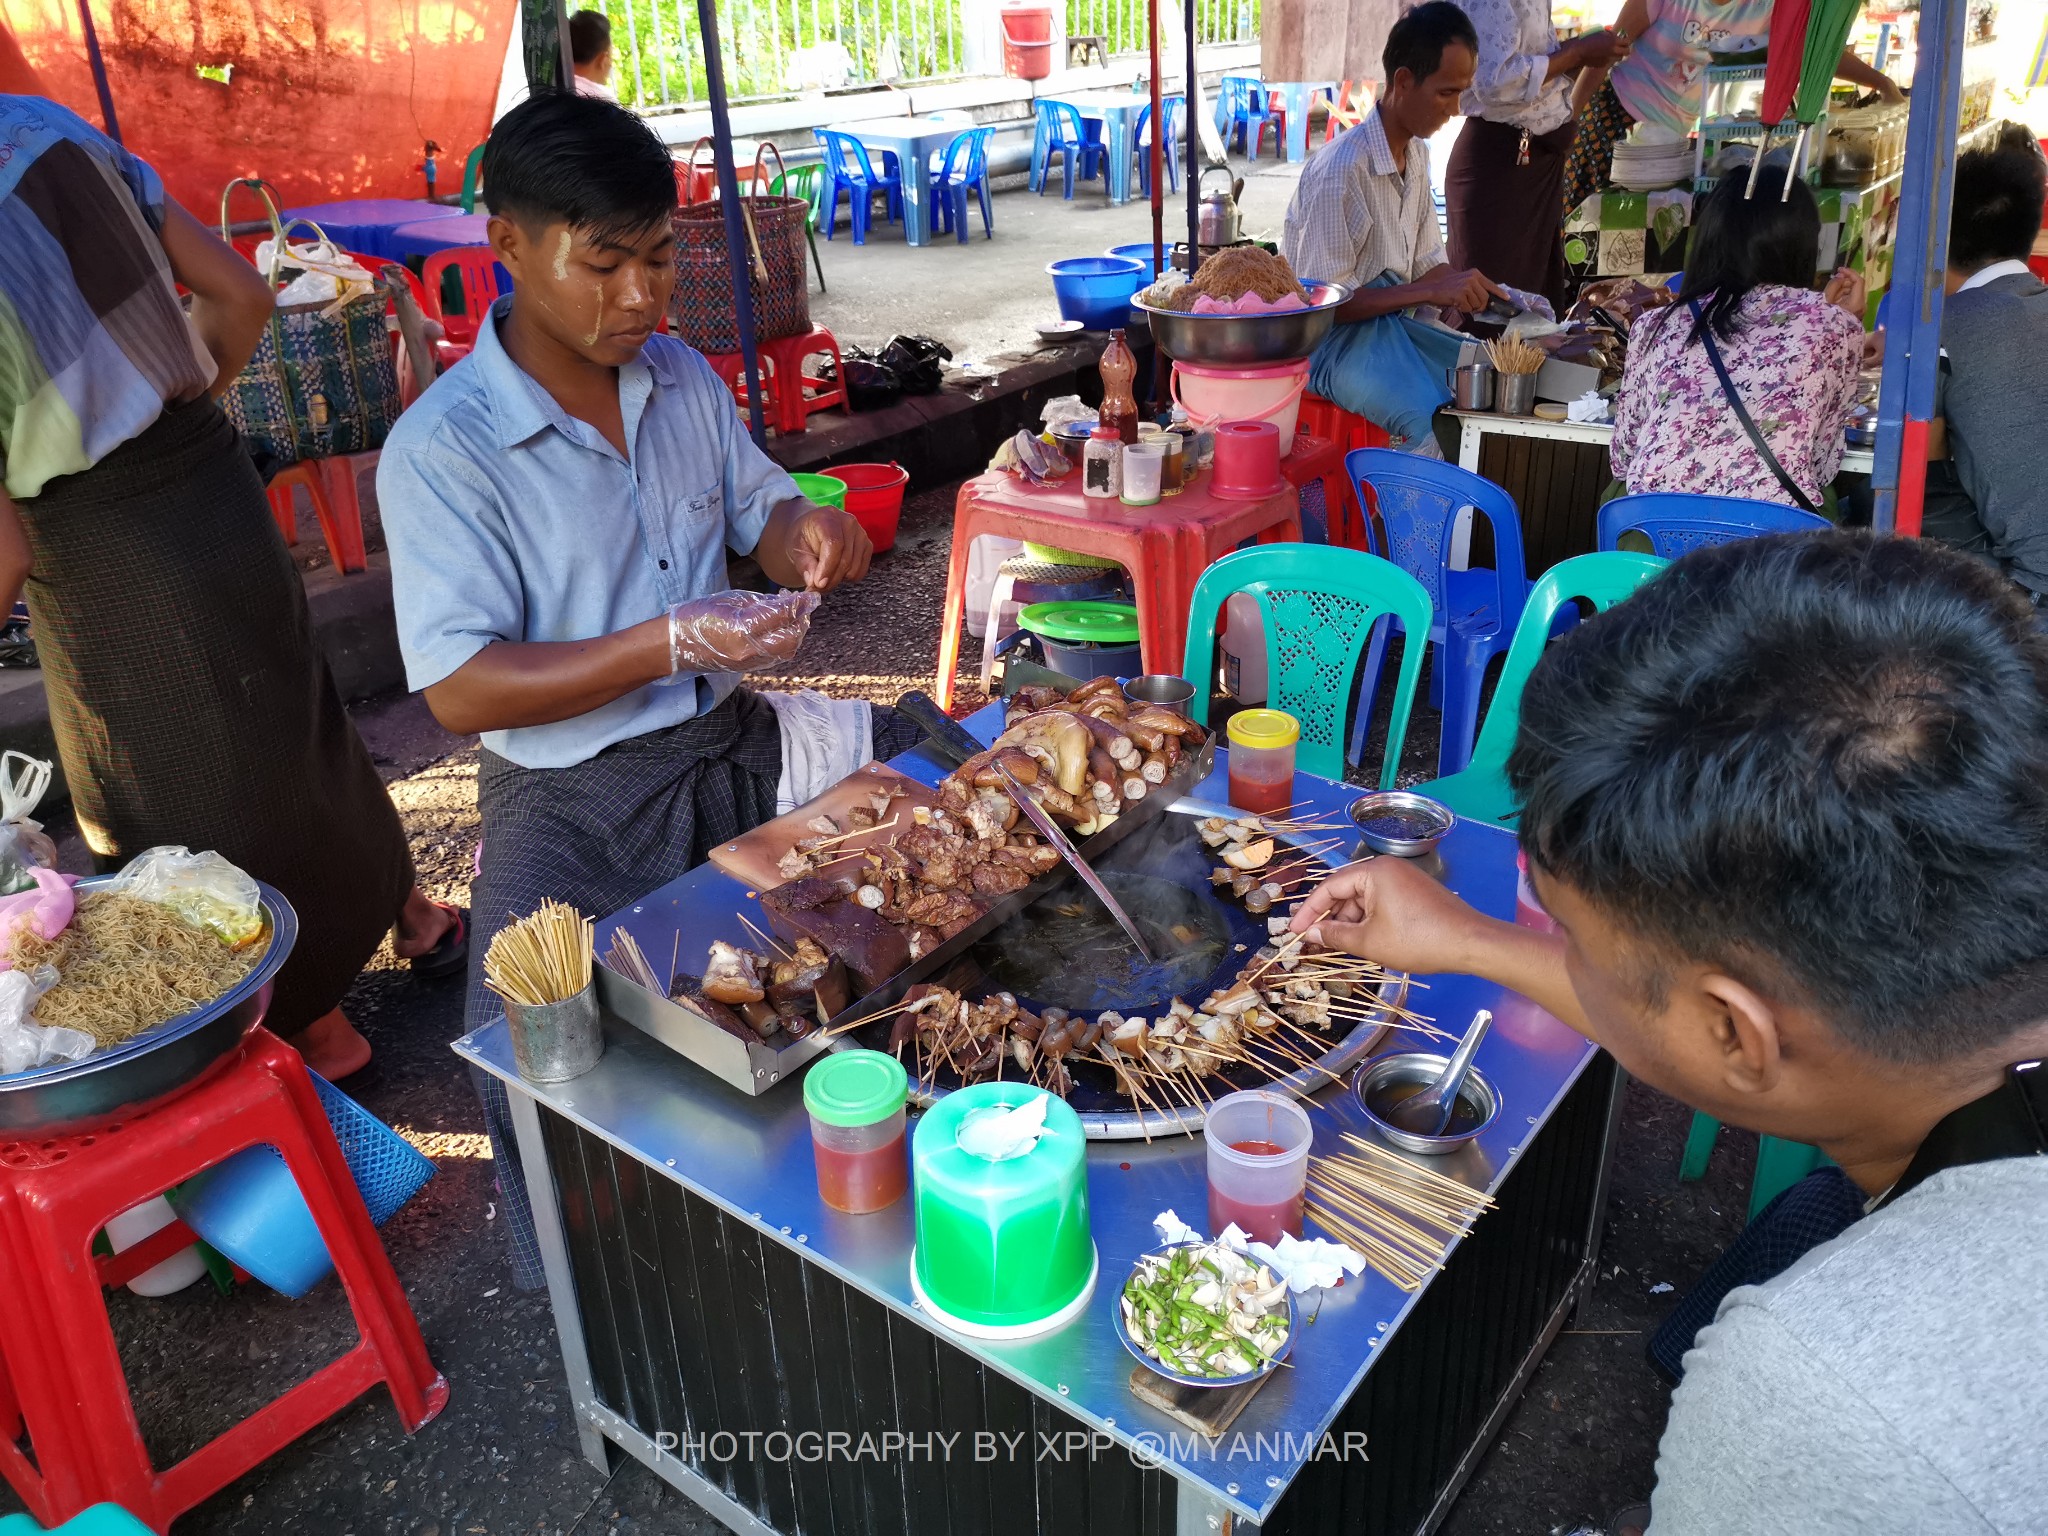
{"points": [[1099, 623], [855, 1088]]}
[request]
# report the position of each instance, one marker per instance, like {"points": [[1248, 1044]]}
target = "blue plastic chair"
{"points": [[1418, 501], [963, 168], [1319, 606], [1063, 131], [1674, 521], [1242, 114], [100, 1520], [1174, 108], [1479, 791], [848, 169]]}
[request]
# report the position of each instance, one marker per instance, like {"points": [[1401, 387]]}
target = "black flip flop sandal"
{"points": [[450, 953]]}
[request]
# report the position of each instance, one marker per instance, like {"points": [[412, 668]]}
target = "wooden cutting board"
{"points": [[751, 858]]}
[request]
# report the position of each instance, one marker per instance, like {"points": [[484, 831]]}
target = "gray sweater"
{"points": [[1893, 1380], [1994, 498]]}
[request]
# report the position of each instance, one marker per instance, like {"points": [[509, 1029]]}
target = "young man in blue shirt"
{"points": [[555, 506]]}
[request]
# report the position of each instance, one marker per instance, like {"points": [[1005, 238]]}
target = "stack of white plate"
{"points": [[1648, 167]]}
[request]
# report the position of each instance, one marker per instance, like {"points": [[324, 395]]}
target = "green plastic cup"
{"points": [[822, 490]]}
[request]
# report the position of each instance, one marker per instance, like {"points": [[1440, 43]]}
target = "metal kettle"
{"points": [[1221, 224]]}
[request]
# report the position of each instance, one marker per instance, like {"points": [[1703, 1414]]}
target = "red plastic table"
{"points": [[1165, 548]]}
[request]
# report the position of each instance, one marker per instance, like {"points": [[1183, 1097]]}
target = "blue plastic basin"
{"points": [[1097, 290], [1142, 255]]}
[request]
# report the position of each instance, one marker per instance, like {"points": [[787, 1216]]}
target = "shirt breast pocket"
{"points": [[700, 512]]}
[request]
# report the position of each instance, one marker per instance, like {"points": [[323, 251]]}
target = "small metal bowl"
{"points": [[1423, 1068], [1161, 688], [1423, 822], [1160, 1368]]}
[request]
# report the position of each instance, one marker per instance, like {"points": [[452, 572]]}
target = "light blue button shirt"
{"points": [[509, 519]]}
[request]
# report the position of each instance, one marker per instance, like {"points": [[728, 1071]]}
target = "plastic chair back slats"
{"points": [[1675, 522]]}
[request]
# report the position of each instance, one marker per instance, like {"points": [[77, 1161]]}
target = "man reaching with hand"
{"points": [[559, 507], [1788, 806], [1363, 215]]}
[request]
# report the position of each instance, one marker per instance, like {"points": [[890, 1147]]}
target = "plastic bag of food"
{"points": [[738, 631], [24, 1043], [202, 888], [24, 846]]}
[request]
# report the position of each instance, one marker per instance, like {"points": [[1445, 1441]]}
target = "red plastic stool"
{"points": [[1348, 430], [1316, 471], [794, 393], [335, 503], [60, 1371], [732, 367]]}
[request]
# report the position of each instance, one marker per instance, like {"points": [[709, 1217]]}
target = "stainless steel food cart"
{"points": [[764, 1354]]}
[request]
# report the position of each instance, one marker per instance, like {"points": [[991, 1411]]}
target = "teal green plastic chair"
{"points": [[1479, 791], [100, 1520], [1319, 605], [469, 170], [1779, 1164], [808, 183]]}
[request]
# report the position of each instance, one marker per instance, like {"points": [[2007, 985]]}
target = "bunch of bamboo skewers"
{"points": [[541, 958], [1401, 1218], [1511, 356]]}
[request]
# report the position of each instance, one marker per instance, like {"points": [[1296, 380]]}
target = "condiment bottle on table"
{"points": [[856, 1101], [1102, 464], [1262, 743], [1119, 406]]}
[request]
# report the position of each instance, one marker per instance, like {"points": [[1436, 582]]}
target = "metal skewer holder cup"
{"points": [[554, 1042]]}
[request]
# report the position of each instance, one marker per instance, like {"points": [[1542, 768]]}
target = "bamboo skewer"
{"points": [[544, 957], [760, 933]]}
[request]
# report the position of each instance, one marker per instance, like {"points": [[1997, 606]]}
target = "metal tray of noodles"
{"points": [[1233, 341], [1056, 947], [157, 1063]]}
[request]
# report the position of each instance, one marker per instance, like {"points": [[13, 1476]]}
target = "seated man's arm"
{"points": [[458, 591], [1387, 910]]}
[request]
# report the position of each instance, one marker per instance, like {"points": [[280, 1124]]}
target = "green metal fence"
{"points": [[1121, 23]]}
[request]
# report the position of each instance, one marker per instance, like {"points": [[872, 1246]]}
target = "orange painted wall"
{"points": [[326, 98]]}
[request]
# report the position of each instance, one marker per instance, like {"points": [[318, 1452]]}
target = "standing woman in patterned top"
{"points": [[190, 701]]}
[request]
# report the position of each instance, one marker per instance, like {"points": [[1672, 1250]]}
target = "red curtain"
{"points": [[324, 98]]}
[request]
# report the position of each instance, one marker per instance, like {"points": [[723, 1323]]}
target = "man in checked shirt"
{"points": [[1362, 215]]}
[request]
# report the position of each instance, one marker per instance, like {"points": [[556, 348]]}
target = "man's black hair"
{"points": [[1818, 762], [589, 35], [1997, 210], [1419, 38], [1741, 241], [580, 160]]}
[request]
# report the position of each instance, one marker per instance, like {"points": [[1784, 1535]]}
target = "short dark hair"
{"points": [[580, 160], [589, 35], [1418, 39], [1743, 240], [1817, 760], [1997, 210]]}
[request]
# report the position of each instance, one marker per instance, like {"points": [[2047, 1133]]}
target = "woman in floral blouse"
{"points": [[1791, 353]]}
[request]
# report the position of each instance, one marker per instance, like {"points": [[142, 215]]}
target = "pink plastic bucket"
{"points": [[1267, 392]]}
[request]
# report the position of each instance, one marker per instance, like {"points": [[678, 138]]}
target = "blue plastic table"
{"points": [[913, 141], [366, 224], [414, 243], [1117, 111]]}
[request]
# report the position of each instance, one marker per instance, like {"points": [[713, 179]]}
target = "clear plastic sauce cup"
{"points": [[1258, 1144], [1262, 743], [857, 1103]]}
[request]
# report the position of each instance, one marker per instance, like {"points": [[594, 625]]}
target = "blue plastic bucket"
{"points": [[1097, 290], [250, 1208], [1142, 255]]}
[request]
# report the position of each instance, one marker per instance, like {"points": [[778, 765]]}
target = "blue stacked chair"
{"points": [[848, 169], [963, 168], [1475, 611], [1242, 113], [1173, 108], [1063, 131], [1676, 521]]}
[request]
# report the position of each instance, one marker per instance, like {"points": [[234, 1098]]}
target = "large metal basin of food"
{"points": [[1242, 340], [158, 1062]]}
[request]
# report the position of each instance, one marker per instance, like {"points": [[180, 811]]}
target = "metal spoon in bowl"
{"points": [[1427, 1113]]}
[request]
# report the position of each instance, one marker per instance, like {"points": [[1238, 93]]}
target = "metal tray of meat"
{"points": [[1052, 945]]}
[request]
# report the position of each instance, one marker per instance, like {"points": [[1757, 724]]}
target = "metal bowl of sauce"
{"points": [[1386, 1081], [1399, 822]]}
